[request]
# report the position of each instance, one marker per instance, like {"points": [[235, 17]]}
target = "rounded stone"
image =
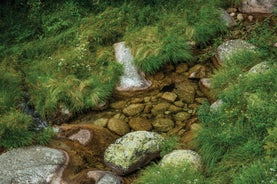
{"points": [[182, 116], [102, 122], [139, 123], [227, 49], [163, 124], [160, 108], [169, 96], [118, 126], [180, 157], [133, 109], [104, 177], [133, 151], [83, 136]]}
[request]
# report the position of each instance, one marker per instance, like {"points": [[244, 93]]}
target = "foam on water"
{"points": [[132, 79]]}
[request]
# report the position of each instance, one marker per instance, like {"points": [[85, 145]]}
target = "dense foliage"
{"points": [[59, 55]]}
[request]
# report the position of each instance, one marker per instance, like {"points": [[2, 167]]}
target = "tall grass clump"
{"points": [[156, 174], [233, 138], [10, 88]]}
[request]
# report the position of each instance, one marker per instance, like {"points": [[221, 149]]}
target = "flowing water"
{"points": [[132, 79]]}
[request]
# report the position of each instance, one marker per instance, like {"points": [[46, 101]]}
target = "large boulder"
{"points": [[32, 165], [258, 6], [133, 151], [231, 47], [260, 68], [181, 157]]}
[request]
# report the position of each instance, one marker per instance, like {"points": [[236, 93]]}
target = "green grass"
{"points": [[155, 174], [233, 137]]}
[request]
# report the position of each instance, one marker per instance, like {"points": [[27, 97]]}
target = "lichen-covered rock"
{"points": [[230, 47], [171, 97], [133, 151], [118, 126], [260, 68], [163, 124], [133, 109], [228, 19], [32, 165], [180, 157], [104, 177], [139, 123], [258, 6]]}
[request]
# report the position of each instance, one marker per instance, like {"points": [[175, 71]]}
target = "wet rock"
{"points": [[102, 122], [118, 126], [32, 165], [180, 157], [197, 72], [136, 100], [139, 123], [163, 124], [182, 68], [159, 76], [182, 116], [171, 97], [228, 48], [133, 151], [133, 109], [205, 85], [174, 109], [118, 105], [228, 20], [104, 177], [201, 100], [179, 103], [186, 91], [258, 6], [83, 136], [160, 108]]}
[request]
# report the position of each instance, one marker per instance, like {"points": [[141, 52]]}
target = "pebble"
{"points": [[240, 17], [250, 18], [232, 14]]}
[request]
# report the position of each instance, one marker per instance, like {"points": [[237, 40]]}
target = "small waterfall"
{"points": [[39, 123], [132, 79]]}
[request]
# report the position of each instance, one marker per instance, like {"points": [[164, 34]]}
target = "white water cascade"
{"points": [[132, 79]]}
